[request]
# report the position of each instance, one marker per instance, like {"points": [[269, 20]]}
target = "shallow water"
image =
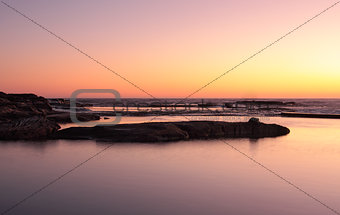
{"points": [[195, 177]]}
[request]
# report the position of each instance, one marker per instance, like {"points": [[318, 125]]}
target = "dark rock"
{"points": [[31, 128], [17, 106], [229, 105], [23, 116], [28, 116], [257, 102], [173, 131], [62, 117], [254, 120], [143, 132], [60, 103], [310, 115]]}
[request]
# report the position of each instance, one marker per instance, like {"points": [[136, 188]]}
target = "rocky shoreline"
{"points": [[31, 117]]}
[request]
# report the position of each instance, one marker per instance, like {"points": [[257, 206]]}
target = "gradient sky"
{"points": [[171, 48]]}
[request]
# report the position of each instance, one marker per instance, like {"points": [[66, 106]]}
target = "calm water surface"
{"points": [[196, 177]]}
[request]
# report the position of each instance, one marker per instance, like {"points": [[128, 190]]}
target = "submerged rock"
{"points": [[173, 131]]}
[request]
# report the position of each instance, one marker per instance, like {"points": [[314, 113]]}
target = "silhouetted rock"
{"points": [[60, 103], [16, 106], [61, 117], [258, 103], [254, 120], [31, 128], [310, 115], [173, 131], [28, 116]]}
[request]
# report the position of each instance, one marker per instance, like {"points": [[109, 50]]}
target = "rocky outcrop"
{"points": [[65, 117], [65, 104], [17, 106], [28, 116], [23, 116], [31, 128], [174, 131]]}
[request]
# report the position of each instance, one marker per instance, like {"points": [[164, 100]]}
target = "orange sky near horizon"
{"points": [[172, 48]]}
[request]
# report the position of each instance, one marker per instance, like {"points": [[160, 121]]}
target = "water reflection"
{"points": [[39, 145], [188, 177]]}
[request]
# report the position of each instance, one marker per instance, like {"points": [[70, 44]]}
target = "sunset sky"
{"points": [[172, 48]]}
